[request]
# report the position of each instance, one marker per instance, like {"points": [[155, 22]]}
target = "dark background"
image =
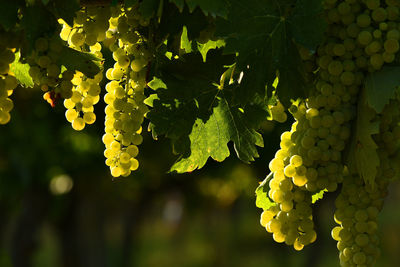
{"points": [[152, 218]]}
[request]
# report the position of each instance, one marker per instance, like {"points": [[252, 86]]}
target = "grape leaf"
{"points": [[262, 199], [262, 32], [210, 138], [209, 7], [9, 13], [319, 195], [187, 93], [198, 117], [381, 87], [363, 156], [21, 72], [86, 63]]}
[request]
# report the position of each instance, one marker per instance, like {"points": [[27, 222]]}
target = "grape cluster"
{"points": [[85, 94], [361, 37], [44, 69], [359, 203], [89, 29], [7, 81], [125, 92], [357, 208]]}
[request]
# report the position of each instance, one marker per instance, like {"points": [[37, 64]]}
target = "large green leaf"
{"points": [[264, 34], [191, 109], [381, 87], [188, 92], [363, 156], [211, 138]]}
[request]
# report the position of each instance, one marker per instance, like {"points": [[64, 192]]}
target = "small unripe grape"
{"points": [[363, 20], [376, 61], [344, 8], [77, 39], [335, 68], [364, 38], [372, 4], [78, 124], [379, 14], [391, 46], [393, 34]]}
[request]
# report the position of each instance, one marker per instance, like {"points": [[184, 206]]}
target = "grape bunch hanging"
{"points": [[362, 37]]}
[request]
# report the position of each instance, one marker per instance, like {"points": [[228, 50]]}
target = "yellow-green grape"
{"points": [[77, 39], [391, 46], [335, 68], [364, 38], [278, 112], [376, 61], [78, 124], [363, 20], [379, 14]]}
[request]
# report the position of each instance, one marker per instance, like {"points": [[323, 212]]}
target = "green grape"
{"points": [[379, 14], [363, 20], [339, 50], [77, 39], [391, 46], [376, 61], [392, 12], [372, 4], [364, 38], [335, 68], [78, 124]]}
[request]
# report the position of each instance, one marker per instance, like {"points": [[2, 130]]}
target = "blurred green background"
{"points": [[60, 207]]}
